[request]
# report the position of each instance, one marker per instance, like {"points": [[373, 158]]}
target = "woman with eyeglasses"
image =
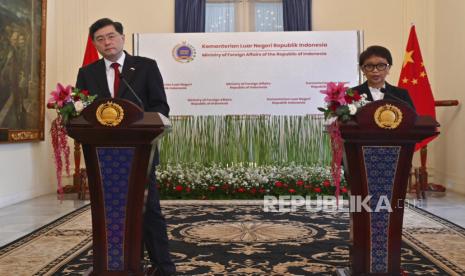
{"points": [[375, 63]]}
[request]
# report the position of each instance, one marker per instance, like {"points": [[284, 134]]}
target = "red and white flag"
{"points": [[413, 77]]}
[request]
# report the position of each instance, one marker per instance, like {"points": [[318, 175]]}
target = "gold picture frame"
{"points": [[22, 70]]}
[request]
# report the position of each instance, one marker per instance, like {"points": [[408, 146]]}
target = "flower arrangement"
{"points": [[68, 102], [342, 102], [196, 181]]}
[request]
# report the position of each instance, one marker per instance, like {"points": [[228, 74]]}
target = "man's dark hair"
{"points": [[103, 23], [378, 51]]}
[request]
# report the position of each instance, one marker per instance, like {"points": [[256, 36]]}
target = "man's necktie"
{"points": [[115, 67]]}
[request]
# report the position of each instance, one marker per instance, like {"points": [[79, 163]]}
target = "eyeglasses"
{"points": [[102, 38], [371, 67]]}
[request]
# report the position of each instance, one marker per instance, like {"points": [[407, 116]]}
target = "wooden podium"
{"points": [[119, 141], [378, 151]]}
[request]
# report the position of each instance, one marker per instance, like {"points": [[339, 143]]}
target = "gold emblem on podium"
{"points": [[388, 116], [110, 114]]}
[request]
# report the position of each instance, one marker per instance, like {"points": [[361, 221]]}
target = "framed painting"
{"points": [[22, 70]]}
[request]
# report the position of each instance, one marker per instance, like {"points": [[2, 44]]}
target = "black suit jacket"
{"points": [[393, 93], [143, 76], [141, 73]]}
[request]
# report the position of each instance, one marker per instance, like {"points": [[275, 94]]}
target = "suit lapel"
{"points": [[129, 70], [101, 77], [365, 90], [389, 89]]}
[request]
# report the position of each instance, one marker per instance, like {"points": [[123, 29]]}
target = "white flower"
{"points": [[79, 106], [352, 109]]}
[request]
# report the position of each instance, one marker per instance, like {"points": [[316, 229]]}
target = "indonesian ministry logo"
{"points": [[183, 52], [388, 116]]}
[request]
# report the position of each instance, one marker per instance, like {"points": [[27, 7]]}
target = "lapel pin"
{"points": [[132, 69]]}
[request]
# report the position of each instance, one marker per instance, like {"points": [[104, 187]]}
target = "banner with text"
{"points": [[273, 73]]}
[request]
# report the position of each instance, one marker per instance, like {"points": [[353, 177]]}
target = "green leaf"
{"points": [[342, 110], [345, 117], [67, 109], [246, 140], [65, 118]]}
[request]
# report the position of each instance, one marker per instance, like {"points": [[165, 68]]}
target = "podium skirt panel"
{"points": [[380, 166]]}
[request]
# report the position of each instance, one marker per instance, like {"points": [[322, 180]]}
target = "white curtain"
{"points": [[268, 16], [220, 16], [244, 16]]}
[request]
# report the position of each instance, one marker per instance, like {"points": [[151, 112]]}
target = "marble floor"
{"points": [[450, 207], [22, 218]]}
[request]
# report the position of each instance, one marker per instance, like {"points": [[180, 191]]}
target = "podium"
{"points": [[378, 151], [119, 143]]}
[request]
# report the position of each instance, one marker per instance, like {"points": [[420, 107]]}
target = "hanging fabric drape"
{"points": [[297, 15], [189, 16]]}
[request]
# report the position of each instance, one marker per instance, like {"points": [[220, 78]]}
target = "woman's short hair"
{"points": [[375, 50]]}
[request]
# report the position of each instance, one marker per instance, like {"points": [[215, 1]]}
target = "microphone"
{"points": [[141, 105], [383, 90]]}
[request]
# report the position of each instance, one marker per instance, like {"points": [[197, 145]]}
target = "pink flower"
{"points": [[61, 95], [335, 92], [337, 152], [61, 150]]}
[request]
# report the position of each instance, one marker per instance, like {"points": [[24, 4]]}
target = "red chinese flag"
{"points": [[91, 53], [413, 77]]}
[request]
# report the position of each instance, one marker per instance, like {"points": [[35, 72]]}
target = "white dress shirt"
{"points": [[111, 73], [376, 93]]}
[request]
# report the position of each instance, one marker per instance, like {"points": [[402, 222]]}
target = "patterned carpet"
{"points": [[238, 238]]}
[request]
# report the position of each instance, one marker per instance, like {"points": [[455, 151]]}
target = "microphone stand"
{"points": [[140, 103]]}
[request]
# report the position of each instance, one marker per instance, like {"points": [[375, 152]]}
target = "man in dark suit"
{"points": [[375, 63], [105, 79]]}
